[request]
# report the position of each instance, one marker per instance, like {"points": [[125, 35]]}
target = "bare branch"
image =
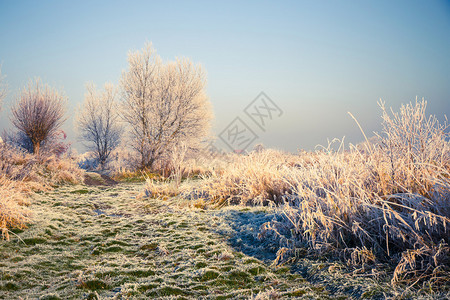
{"points": [[98, 122], [38, 113], [164, 104]]}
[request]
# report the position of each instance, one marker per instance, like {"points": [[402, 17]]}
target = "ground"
{"points": [[89, 242]]}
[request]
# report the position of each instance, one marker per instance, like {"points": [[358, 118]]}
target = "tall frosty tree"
{"points": [[164, 104]]}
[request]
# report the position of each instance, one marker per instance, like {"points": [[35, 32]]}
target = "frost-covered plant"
{"points": [[13, 213], [392, 200], [248, 179], [386, 202], [22, 173], [53, 145], [38, 113], [46, 171], [98, 122], [164, 104]]}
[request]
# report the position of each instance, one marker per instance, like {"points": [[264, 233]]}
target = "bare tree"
{"points": [[98, 122], [138, 91], [38, 113], [164, 104]]}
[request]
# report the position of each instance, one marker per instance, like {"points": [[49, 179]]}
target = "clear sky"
{"points": [[315, 59]]}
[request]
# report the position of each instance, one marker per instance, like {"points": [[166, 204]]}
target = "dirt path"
{"points": [[89, 242]]}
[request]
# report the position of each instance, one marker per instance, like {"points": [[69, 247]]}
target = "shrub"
{"points": [[38, 113]]}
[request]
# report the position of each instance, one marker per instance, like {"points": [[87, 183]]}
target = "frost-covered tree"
{"points": [[164, 104], [98, 122], [38, 113]]}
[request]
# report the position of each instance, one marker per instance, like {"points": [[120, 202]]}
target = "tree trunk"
{"points": [[36, 147]]}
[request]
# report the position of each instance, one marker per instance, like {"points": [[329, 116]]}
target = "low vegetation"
{"points": [[382, 206], [152, 215], [107, 243], [22, 174]]}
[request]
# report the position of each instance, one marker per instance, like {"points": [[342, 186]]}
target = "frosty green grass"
{"points": [[103, 242]]}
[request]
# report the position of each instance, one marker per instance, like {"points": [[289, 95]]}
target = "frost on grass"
{"points": [[134, 248], [381, 207], [336, 222], [22, 174]]}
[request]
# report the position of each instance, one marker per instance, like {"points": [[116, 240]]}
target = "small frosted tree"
{"points": [[38, 113], [164, 104], [98, 122]]}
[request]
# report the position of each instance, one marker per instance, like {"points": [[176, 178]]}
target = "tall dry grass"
{"points": [[13, 213], [22, 173], [385, 202], [45, 170]]}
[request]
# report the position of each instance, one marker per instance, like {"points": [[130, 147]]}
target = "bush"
{"points": [[53, 145], [38, 113]]}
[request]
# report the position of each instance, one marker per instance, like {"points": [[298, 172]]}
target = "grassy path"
{"points": [[97, 242]]}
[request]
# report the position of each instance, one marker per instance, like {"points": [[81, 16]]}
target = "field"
{"points": [[369, 221], [224, 150], [89, 241]]}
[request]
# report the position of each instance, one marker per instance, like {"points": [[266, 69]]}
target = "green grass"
{"points": [[81, 191], [154, 249]]}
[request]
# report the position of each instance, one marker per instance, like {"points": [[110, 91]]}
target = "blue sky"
{"points": [[315, 59]]}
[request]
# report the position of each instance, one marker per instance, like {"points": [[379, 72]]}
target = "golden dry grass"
{"points": [[13, 213], [383, 202], [22, 174]]}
